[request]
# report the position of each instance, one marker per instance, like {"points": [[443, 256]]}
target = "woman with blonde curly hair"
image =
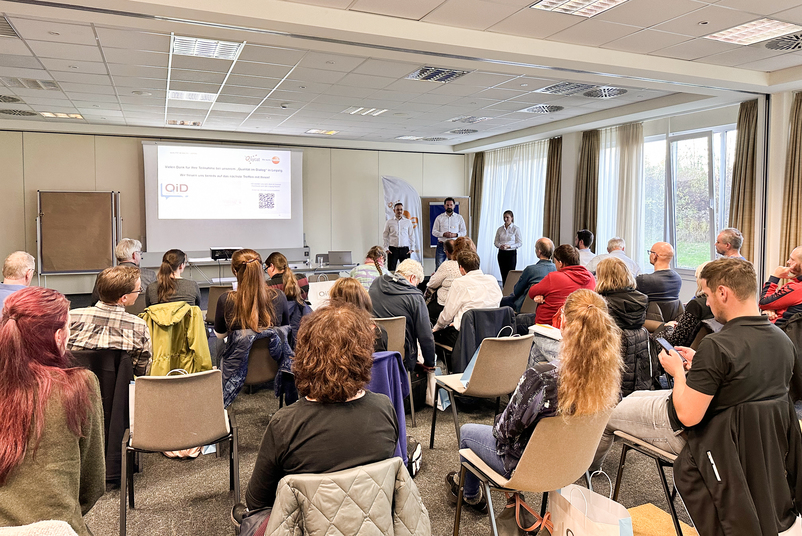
{"points": [[583, 381], [336, 424]]}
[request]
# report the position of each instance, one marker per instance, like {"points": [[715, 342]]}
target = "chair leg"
{"points": [[235, 459], [411, 402], [490, 513], [458, 512], [453, 399], [588, 480], [668, 498], [123, 489], [544, 503], [131, 482], [434, 415], [621, 463]]}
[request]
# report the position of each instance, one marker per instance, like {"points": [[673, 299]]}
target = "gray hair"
{"points": [[17, 264], [699, 291], [126, 248], [615, 242], [733, 237], [544, 247], [410, 267]]}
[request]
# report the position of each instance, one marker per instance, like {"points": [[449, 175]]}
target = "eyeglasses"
{"points": [[650, 252], [137, 292]]}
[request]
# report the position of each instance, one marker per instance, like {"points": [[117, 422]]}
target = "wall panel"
{"points": [[12, 202], [317, 200], [354, 194]]}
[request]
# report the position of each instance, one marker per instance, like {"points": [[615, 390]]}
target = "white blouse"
{"points": [[510, 236], [442, 279]]}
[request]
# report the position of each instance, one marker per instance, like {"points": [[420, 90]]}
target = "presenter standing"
{"points": [[447, 225], [508, 240], [397, 237]]}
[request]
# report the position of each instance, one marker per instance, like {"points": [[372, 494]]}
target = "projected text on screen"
{"points": [[223, 183]]}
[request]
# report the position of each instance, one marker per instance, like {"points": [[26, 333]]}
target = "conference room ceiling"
{"points": [[113, 63]]}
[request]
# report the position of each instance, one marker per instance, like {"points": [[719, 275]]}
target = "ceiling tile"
{"points": [[741, 55], [82, 78], [695, 48], [774, 64], [455, 90], [330, 62], [71, 66], [275, 55], [366, 81], [227, 107], [38, 74], [260, 69], [251, 101], [789, 15], [91, 112], [429, 98], [242, 91], [645, 13], [386, 68], [135, 57], [21, 62], [412, 86], [193, 63], [183, 75], [593, 33], [483, 79], [130, 39], [760, 8], [130, 82], [14, 47], [87, 88], [252, 81], [474, 14], [40, 30], [408, 9], [90, 98], [46, 49], [137, 70], [350, 91], [717, 18], [293, 96], [646, 41], [194, 86], [500, 94], [316, 75], [535, 23]]}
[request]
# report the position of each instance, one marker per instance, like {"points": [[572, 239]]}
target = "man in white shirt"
{"points": [[583, 241], [447, 225], [474, 290], [397, 237], [615, 248]]}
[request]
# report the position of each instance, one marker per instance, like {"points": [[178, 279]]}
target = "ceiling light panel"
{"points": [[463, 131], [542, 109], [584, 8], [604, 93], [436, 74], [364, 110], [191, 96], [29, 83], [468, 119], [754, 32], [566, 88], [319, 131], [205, 48]]}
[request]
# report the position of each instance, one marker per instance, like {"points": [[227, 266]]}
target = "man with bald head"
{"points": [[783, 302], [664, 284], [534, 273]]}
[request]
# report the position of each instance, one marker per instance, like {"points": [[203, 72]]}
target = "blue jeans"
{"points": [[439, 255], [479, 438]]}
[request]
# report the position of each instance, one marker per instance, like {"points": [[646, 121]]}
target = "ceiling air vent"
{"points": [[543, 109], [786, 42], [6, 30], [206, 48], [436, 74], [18, 113], [566, 88], [469, 119], [463, 131], [604, 92], [434, 139], [29, 83], [9, 99]]}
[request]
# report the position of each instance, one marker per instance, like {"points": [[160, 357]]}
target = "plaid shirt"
{"points": [[106, 326]]}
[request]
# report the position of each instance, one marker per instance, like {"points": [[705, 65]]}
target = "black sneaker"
{"points": [[452, 492], [414, 455]]}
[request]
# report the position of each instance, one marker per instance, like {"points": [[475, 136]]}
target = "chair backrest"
{"points": [[499, 366], [704, 331], [529, 305], [512, 277], [316, 278], [261, 365], [396, 332], [178, 412], [215, 292], [575, 438], [654, 317], [137, 307], [671, 309]]}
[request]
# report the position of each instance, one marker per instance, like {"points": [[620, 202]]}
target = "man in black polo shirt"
{"points": [[748, 360]]}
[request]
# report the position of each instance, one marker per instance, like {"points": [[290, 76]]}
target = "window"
{"points": [[687, 183]]}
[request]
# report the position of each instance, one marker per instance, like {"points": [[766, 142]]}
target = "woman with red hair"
{"points": [[51, 460]]}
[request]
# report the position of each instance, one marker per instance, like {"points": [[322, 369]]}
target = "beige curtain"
{"points": [[551, 207], [792, 192], [742, 197], [587, 183], [477, 181], [630, 194]]}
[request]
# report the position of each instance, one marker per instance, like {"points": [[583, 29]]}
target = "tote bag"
{"points": [[578, 511]]}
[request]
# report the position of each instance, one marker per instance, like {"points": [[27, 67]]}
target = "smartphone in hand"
{"points": [[667, 345]]}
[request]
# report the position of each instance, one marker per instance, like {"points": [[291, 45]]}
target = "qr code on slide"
{"points": [[267, 200]]}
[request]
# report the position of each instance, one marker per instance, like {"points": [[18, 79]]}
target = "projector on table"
{"points": [[222, 254]]}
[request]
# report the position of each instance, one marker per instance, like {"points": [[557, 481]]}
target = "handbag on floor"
{"points": [[255, 523], [581, 512], [518, 518]]}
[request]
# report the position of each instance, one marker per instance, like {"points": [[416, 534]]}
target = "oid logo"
{"points": [[275, 160], [176, 188]]}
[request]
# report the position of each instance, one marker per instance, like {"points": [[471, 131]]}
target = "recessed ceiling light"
{"points": [[469, 119], [585, 8], [524, 85], [463, 131], [434, 139], [54, 33], [362, 110], [180, 123], [330, 62], [542, 109], [604, 92], [72, 66], [319, 131], [703, 23], [754, 32], [59, 115], [142, 93], [205, 48], [566, 88], [436, 74], [409, 138], [191, 96], [301, 87]]}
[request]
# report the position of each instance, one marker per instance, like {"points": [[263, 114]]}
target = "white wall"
{"points": [[343, 197]]}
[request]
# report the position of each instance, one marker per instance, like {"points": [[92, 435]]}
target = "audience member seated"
{"points": [[367, 272], [18, 270], [551, 292], [534, 273], [664, 284], [782, 302], [683, 330], [440, 282], [729, 369], [349, 290], [474, 290], [169, 286], [336, 424], [583, 241], [106, 325], [584, 380], [129, 253], [615, 248], [729, 242], [397, 294], [52, 460], [627, 306], [294, 286]]}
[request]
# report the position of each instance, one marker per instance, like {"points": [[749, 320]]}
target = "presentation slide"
{"points": [[223, 183]]}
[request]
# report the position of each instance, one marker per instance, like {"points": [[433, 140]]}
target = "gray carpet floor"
{"points": [[179, 497]]}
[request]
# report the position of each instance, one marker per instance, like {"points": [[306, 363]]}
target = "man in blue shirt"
{"points": [[534, 273], [17, 274]]}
